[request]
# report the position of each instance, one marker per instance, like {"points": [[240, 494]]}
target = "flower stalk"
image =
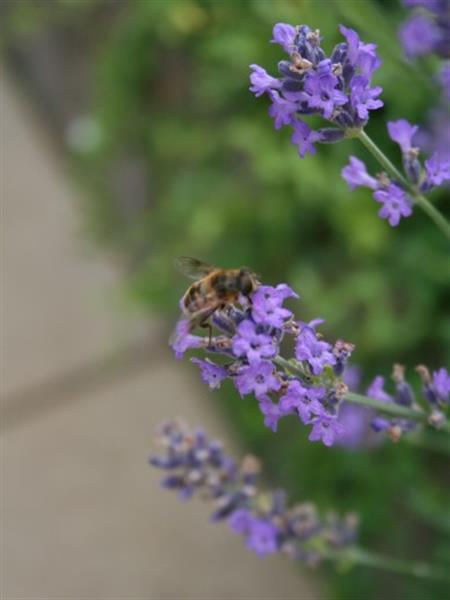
{"points": [[392, 170], [359, 556]]}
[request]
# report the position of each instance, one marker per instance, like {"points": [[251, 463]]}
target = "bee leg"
{"points": [[207, 325]]}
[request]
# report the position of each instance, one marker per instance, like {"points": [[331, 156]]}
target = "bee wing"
{"points": [[192, 267]]}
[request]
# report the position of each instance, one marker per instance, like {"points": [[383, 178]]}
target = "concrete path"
{"points": [[82, 514]]}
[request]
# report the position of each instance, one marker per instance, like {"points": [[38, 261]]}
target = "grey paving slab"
{"points": [[57, 298]]}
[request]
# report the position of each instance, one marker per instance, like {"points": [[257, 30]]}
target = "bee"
{"points": [[214, 289]]}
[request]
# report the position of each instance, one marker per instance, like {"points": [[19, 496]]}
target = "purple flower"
{"points": [[267, 305], [267, 522], [376, 390], [355, 420], [356, 175], [317, 353], [441, 384], [431, 5], [320, 89], [255, 346], [380, 424], [261, 81], [402, 132], [271, 412], [258, 378], [183, 340], [359, 54], [281, 110], [438, 169], [418, 36], [305, 401], [352, 377], [325, 428], [396, 204], [240, 520], [363, 98], [262, 537], [211, 373], [304, 138], [444, 79], [284, 35]]}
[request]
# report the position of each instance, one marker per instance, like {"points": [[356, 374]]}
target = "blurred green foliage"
{"points": [[170, 84]]}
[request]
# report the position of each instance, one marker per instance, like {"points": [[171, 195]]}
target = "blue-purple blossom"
{"points": [[376, 390], [262, 537], [261, 81], [267, 306], [271, 411], [320, 90], [183, 339], [419, 36], [444, 79], [281, 110], [363, 98], [356, 175], [437, 170], [315, 352], [258, 378], [402, 132], [325, 428], [240, 520], [360, 55], [355, 420], [284, 35], [396, 204], [304, 138], [305, 401], [255, 345], [427, 30], [436, 388], [312, 386], [264, 519], [336, 87], [211, 373], [441, 384]]}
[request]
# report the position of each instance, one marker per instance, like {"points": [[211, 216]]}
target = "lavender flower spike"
{"points": [[312, 385], [198, 465], [335, 87]]}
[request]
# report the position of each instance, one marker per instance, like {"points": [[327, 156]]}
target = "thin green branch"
{"points": [[392, 170], [387, 408], [393, 410], [359, 556]]}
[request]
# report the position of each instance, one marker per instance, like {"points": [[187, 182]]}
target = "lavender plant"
{"points": [[311, 384], [286, 364], [338, 88], [196, 464]]}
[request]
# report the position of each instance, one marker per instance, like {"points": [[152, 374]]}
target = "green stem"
{"points": [[359, 556], [392, 409], [392, 170], [387, 408], [433, 213]]}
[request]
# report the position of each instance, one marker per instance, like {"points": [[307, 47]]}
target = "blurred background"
{"points": [[129, 137]]}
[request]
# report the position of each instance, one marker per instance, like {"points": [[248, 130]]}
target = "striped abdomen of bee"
{"points": [[218, 289]]}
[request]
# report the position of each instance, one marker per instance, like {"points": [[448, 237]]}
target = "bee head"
{"points": [[247, 281]]}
